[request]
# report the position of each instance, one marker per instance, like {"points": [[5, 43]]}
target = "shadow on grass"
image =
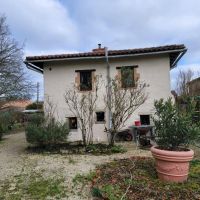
{"points": [[76, 148]]}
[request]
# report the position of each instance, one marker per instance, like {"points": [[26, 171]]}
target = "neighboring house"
{"points": [[194, 90], [151, 65], [194, 87], [15, 105]]}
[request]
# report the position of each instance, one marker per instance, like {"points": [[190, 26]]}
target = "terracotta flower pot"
{"points": [[172, 166]]}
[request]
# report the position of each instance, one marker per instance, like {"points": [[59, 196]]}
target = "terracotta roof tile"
{"points": [[101, 52], [16, 104]]}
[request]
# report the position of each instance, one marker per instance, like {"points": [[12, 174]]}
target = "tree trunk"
{"points": [[112, 138], [84, 138]]}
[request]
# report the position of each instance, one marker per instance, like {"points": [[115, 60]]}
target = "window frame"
{"points": [[70, 118], [104, 120], [145, 116], [90, 85], [133, 69]]}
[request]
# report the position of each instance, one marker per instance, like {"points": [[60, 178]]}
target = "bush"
{"points": [[1, 132], [6, 120], [174, 127], [41, 131], [35, 106]]}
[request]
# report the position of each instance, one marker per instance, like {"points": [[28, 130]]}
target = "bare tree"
{"points": [[122, 103], [83, 106], [182, 82], [13, 80]]}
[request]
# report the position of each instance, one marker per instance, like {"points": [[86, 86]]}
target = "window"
{"points": [[85, 80], [100, 116], [72, 122], [145, 119], [127, 77]]}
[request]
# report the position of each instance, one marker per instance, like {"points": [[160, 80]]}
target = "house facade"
{"points": [[150, 65]]}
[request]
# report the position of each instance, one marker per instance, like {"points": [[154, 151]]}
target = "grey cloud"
{"points": [[43, 25], [136, 23], [52, 26]]}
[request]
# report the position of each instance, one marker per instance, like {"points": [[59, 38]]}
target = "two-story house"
{"points": [[151, 65]]}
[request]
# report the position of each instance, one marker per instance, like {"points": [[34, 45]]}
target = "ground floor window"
{"points": [[145, 119], [72, 122], [100, 116]]}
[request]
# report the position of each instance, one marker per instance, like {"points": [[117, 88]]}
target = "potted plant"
{"points": [[174, 131]]}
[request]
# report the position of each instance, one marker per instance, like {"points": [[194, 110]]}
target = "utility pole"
{"points": [[38, 93]]}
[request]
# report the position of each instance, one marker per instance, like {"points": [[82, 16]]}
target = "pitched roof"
{"points": [[194, 80], [173, 50], [16, 104]]}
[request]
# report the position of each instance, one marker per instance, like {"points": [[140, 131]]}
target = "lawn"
{"points": [[136, 178], [32, 186]]}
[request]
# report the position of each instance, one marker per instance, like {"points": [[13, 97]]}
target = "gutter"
{"points": [[33, 67], [109, 124]]}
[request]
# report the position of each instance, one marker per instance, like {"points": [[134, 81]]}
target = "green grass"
{"points": [[84, 178], [33, 187]]}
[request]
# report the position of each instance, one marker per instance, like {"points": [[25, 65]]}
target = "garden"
{"points": [[136, 178], [115, 172], [141, 177]]}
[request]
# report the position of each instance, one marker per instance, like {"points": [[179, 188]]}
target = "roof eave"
{"points": [[32, 64], [174, 64], [33, 67]]}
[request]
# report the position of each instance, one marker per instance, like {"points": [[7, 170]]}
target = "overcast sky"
{"points": [[53, 26]]}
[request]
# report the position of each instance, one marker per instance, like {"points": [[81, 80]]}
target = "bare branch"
{"points": [[83, 106], [122, 103], [13, 81]]}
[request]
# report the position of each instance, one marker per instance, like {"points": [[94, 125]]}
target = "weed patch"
{"points": [[136, 178]]}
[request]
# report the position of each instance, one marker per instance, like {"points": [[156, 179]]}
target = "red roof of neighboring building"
{"points": [[16, 104]]}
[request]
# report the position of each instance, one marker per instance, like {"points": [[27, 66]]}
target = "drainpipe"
{"points": [[109, 122]]}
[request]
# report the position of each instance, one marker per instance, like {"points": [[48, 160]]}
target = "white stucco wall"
{"points": [[154, 70]]}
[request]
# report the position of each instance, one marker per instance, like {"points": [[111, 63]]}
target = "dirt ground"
{"points": [[14, 160]]}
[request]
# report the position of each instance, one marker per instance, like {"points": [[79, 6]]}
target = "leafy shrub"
{"points": [[43, 131], [1, 131], [35, 106], [36, 119], [6, 120], [174, 127]]}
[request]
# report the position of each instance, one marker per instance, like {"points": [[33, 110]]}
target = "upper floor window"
{"points": [[127, 77], [85, 81]]}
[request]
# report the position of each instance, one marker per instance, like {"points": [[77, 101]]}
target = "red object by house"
{"points": [[137, 123]]}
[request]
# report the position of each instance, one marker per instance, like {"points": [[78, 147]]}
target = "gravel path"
{"points": [[14, 160], [11, 155]]}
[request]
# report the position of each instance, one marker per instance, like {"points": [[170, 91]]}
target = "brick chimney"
{"points": [[99, 49]]}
